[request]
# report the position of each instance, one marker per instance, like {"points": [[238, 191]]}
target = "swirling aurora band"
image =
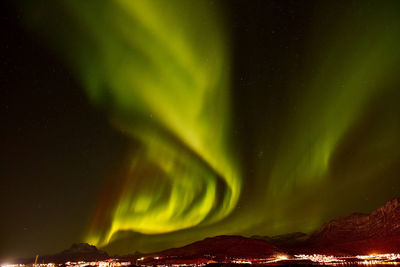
{"points": [[161, 69], [169, 90]]}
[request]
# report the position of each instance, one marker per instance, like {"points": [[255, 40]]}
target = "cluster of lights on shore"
{"points": [[372, 259], [104, 263]]}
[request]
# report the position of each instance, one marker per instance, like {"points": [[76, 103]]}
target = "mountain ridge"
{"points": [[352, 234]]}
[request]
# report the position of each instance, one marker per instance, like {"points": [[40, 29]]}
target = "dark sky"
{"points": [[56, 149], [242, 117]]}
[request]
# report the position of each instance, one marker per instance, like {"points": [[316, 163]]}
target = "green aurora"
{"points": [[162, 71], [167, 88]]}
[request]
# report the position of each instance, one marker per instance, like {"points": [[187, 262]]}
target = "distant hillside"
{"points": [[285, 240], [359, 233], [77, 252], [225, 246]]}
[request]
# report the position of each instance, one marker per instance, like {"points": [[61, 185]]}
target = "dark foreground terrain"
{"points": [[357, 238]]}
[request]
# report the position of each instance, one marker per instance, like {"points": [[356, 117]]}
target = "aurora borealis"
{"points": [[169, 93], [210, 118]]}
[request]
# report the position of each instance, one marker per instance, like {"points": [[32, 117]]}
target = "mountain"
{"points": [[385, 221], [226, 246], [358, 233], [285, 240], [77, 252], [354, 234], [217, 248]]}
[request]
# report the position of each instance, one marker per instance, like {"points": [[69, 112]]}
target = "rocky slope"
{"points": [[378, 232], [385, 221]]}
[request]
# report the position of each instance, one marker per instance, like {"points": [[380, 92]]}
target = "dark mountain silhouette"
{"points": [[354, 234], [285, 240], [219, 249], [357, 233], [225, 246], [77, 252], [383, 222]]}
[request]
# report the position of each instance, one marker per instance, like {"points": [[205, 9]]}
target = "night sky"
{"points": [[144, 125]]}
